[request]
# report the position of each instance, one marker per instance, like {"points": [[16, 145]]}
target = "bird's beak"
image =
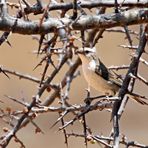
{"points": [[79, 51]]}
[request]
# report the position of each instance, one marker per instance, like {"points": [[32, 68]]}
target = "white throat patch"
{"points": [[92, 65]]}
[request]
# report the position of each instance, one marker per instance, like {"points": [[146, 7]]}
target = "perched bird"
{"points": [[98, 76]]}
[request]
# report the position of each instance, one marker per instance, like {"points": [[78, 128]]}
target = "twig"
{"points": [[85, 130], [128, 35], [20, 75], [101, 139], [17, 140], [142, 79], [100, 106], [118, 67], [7, 138], [143, 61], [118, 30], [87, 109], [65, 133], [129, 46], [18, 101]]}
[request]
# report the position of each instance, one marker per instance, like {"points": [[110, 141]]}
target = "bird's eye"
{"points": [[86, 51]]}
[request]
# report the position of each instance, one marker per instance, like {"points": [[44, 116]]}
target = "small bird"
{"points": [[98, 76]]}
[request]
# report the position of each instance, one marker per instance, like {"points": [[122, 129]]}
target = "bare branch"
{"points": [[134, 65], [59, 37], [5, 141], [131, 17], [83, 4], [21, 76]]}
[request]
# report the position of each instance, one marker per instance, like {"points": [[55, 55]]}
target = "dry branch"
{"points": [[130, 17], [89, 27]]}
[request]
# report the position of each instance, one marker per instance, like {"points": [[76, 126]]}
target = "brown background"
{"points": [[20, 58]]}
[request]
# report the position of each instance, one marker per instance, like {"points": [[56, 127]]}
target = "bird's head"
{"points": [[86, 51], [86, 54]]}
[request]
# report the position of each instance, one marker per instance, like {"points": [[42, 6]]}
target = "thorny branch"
{"points": [[129, 17], [83, 4], [133, 66], [101, 139], [88, 29]]}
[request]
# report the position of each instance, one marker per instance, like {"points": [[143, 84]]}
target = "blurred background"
{"points": [[20, 58]]}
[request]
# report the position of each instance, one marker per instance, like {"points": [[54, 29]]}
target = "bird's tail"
{"points": [[140, 99]]}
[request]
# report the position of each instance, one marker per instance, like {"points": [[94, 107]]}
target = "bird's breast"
{"points": [[98, 82]]}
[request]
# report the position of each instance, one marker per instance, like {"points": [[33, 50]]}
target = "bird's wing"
{"points": [[114, 78], [102, 70]]}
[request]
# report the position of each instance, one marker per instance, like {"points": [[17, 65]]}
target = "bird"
{"points": [[98, 76]]}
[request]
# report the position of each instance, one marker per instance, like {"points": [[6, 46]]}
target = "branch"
{"points": [[20, 75], [130, 17], [104, 3], [52, 97], [102, 139], [5, 141], [118, 67], [84, 4], [133, 66], [98, 106], [69, 73]]}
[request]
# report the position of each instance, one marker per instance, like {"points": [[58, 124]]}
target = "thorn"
{"points": [[4, 73], [8, 43]]}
